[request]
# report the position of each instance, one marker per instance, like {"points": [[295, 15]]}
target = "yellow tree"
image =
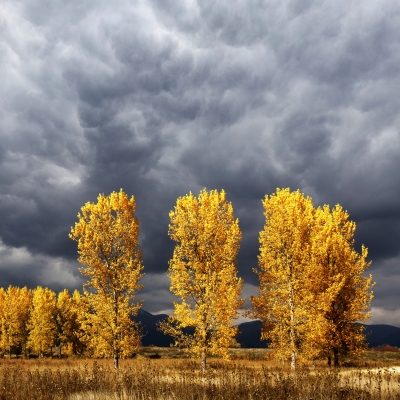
{"points": [[15, 304], [3, 341], [203, 274], [64, 321], [283, 302], [107, 235], [338, 284], [81, 335], [24, 298], [71, 334], [42, 322]]}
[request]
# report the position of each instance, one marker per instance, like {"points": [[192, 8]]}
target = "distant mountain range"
{"points": [[378, 335], [249, 336], [151, 336]]}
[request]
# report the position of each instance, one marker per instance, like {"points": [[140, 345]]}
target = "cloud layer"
{"points": [[165, 97]]}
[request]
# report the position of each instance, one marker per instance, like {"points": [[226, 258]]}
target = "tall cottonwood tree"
{"points": [[42, 322], [203, 274], [338, 284], [283, 303], [312, 288], [107, 235]]}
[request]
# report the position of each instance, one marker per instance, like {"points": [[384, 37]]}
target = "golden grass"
{"points": [[182, 379]]}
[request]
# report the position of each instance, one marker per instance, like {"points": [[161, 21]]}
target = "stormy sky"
{"points": [[163, 97]]}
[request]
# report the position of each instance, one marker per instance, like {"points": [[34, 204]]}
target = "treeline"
{"points": [[35, 321], [312, 289]]}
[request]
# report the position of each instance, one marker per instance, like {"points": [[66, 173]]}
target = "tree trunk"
{"points": [[292, 332], [116, 360], [293, 361], [203, 361], [329, 361], [116, 345], [336, 357]]}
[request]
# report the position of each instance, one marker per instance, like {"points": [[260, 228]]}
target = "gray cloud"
{"points": [[165, 97]]}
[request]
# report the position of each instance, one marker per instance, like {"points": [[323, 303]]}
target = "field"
{"points": [[159, 373]]}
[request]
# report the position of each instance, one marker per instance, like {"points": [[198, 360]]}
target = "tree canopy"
{"points": [[107, 235], [312, 291], [203, 274]]}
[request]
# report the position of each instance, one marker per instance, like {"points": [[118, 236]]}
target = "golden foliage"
{"points": [[69, 315], [312, 291], [338, 284], [284, 266], [203, 274], [107, 235], [42, 323], [15, 304]]}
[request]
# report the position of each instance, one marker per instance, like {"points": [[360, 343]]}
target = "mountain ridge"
{"points": [[250, 332]]}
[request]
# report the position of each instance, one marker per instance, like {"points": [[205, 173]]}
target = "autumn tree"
{"points": [[203, 274], [107, 235], [312, 290], [283, 302], [3, 300], [24, 300], [71, 335], [82, 335], [338, 284], [42, 322], [64, 320], [15, 315]]}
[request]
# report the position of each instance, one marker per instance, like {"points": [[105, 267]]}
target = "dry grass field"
{"points": [[158, 373]]}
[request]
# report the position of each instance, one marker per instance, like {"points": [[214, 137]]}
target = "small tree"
{"points": [[71, 334], [107, 235], [3, 340], [203, 274], [16, 306], [42, 323]]}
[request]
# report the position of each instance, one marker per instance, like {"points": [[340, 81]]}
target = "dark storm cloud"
{"points": [[165, 97], [20, 268]]}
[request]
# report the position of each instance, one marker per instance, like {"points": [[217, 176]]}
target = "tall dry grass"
{"points": [[181, 379]]}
